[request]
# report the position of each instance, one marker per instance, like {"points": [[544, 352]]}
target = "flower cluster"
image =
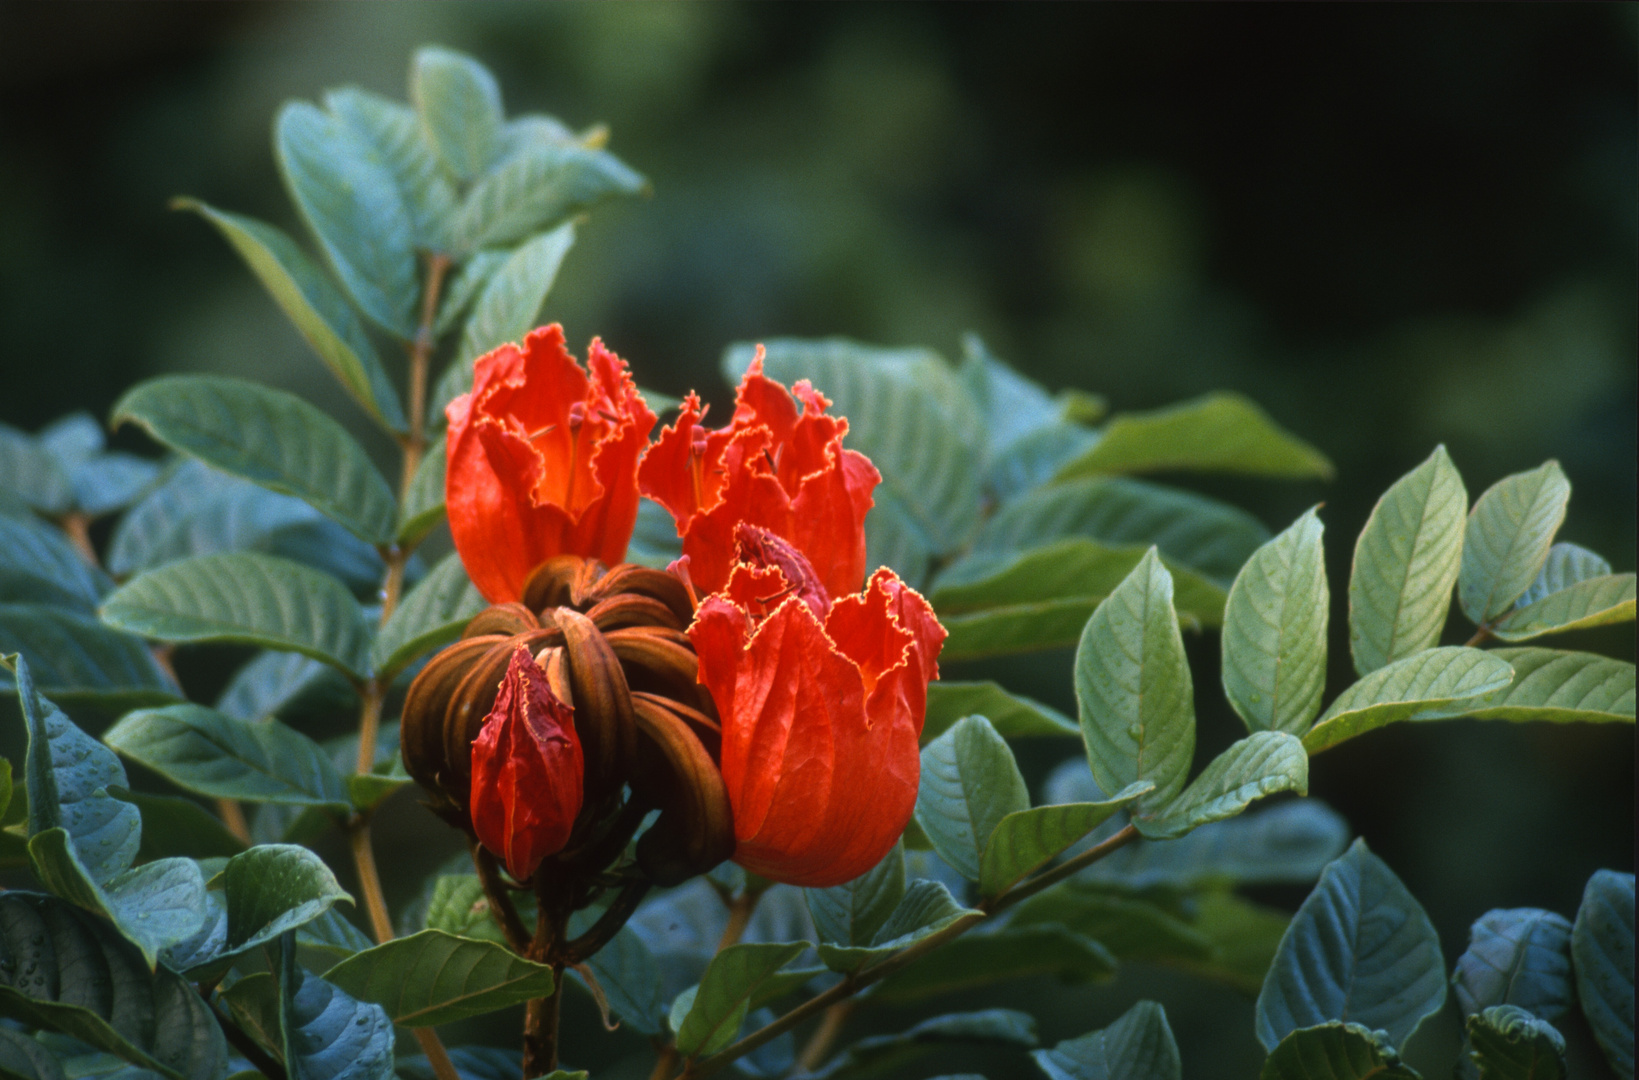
{"points": [[762, 694]]}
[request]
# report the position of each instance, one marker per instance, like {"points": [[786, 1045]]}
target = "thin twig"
{"points": [[819, 1044], [609, 923], [375, 903], [739, 916], [500, 904], [1482, 635]]}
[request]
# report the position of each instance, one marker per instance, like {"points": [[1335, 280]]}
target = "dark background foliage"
{"points": [[1392, 226]]}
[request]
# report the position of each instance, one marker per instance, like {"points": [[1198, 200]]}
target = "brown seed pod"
{"points": [[548, 584], [695, 829], [602, 701], [421, 731], [508, 619], [645, 581], [630, 609]]}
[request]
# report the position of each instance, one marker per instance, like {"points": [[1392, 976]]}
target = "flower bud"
{"points": [[526, 771]]}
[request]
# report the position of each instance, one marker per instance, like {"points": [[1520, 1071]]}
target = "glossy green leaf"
{"points": [[68, 775], [1594, 602], [459, 906], [327, 1034], [349, 196], [253, 1002], [1566, 565], [332, 934], [883, 1055], [1202, 534], [1130, 928], [978, 959], [1520, 956], [271, 438], [1027, 840], [1428, 681], [1359, 949], [320, 313], [1220, 432], [1014, 716], [1505, 544], [539, 186], [725, 991], [77, 659], [1138, 1046], [207, 753], [150, 1018], [1274, 637], [155, 906], [1405, 563], [1262, 764], [32, 473], [908, 411], [465, 286], [460, 108], [37, 563], [395, 135], [423, 506], [1511, 1044], [435, 978], [273, 889], [433, 614], [1243, 938], [926, 908], [270, 682], [1335, 1051], [1134, 688], [970, 782], [23, 1058], [852, 913], [1602, 951], [250, 598], [173, 825], [1554, 686]]}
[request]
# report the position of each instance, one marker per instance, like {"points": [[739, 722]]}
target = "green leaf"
{"points": [[1219, 432], [1205, 535], [1359, 949], [1336, 1051], [152, 1019], [1027, 840], [720, 1003], [31, 472], [349, 196], [68, 775], [1428, 681], [271, 438], [207, 753], [38, 563], [23, 1058], [320, 313], [1505, 544], [72, 440], [464, 288], [909, 412], [172, 825], [1138, 1046], [878, 1054], [254, 1003], [1602, 951], [1516, 957], [1405, 563], [978, 959], [327, 1034], [1014, 716], [433, 614], [1243, 939], [460, 108], [435, 978], [1511, 1044], [78, 659], [459, 906], [1134, 689], [110, 482], [1566, 565], [394, 134], [852, 913], [1274, 640], [272, 889], [1555, 686], [1130, 928], [630, 977], [249, 598], [538, 186], [970, 782], [270, 682], [1262, 764], [1594, 602], [423, 506], [927, 908]]}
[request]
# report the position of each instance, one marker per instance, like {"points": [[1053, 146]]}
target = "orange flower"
{"points": [[773, 467], [527, 771], [542, 461], [822, 704]]}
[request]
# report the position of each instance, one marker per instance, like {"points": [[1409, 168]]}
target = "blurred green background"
{"points": [[1392, 226]]}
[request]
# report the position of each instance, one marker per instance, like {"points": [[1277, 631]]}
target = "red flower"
{"points": [[822, 705], [526, 771], [542, 461], [772, 467]]}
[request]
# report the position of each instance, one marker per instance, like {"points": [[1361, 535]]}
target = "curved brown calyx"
{"points": [[602, 703], [676, 775]]}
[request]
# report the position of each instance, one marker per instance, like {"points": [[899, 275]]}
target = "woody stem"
{"points": [[541, 1014]]}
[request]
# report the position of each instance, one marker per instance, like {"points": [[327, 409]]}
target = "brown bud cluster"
{"points": [[613, 647]]}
